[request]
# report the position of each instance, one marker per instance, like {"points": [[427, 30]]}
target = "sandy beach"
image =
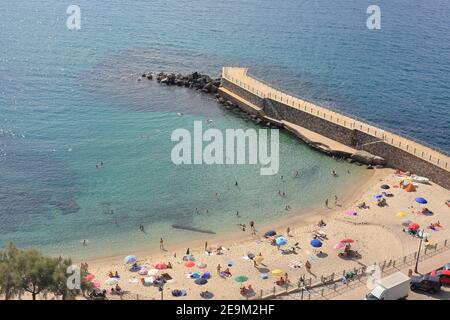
{"points": [[377, 233]]}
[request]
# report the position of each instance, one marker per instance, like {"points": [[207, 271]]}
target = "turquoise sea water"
{"points": [[71, 99]]}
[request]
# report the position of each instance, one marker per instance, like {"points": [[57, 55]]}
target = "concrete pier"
{"points": [[332, 129]]}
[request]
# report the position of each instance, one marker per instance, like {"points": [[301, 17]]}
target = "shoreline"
{"points": [[296, 219]]}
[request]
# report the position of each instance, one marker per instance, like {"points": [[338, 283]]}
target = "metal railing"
{"points": [[239, 77], [326, 287]]}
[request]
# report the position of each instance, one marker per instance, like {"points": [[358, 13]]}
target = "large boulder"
{"points": [[367, 158]]}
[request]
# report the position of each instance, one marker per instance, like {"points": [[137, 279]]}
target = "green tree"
{"points": [[9, 277]]}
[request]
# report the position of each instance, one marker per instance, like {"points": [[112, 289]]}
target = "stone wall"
{"points": [[396, 158]]}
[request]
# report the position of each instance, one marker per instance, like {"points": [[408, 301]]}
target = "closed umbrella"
{"points": [[281, 241], [130, 259], [316, 243], [112, 281], [241, 279]]}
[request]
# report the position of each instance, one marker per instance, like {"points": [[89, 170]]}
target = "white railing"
{"points": [[239, 77]]}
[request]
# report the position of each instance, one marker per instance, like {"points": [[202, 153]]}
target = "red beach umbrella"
{"points": [[347, 240], [413, 226], [189, 264], [89, 277], [160, 266]]}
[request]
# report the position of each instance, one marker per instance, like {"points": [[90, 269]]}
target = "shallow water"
{"points": [[70, 99]]}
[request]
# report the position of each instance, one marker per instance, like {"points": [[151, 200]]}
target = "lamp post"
{"points": [[421, 235]]}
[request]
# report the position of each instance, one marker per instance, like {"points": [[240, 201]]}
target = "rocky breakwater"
{"points": [[195, 80]]}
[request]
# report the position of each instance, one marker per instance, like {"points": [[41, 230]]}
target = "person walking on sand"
{"points": [[206, 246], [161, 244], [219, 267], [308, 265], [288, 232]]}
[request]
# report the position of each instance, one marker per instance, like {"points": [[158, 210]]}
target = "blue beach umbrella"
{"points": [[130, 259], [316, 243], [421, 200], [270, 233], [281, 241]]}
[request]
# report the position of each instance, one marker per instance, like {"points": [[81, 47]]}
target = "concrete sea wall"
{"points": [[407, 155]]}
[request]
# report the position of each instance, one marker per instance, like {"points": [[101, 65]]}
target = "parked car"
{"points": [[443, 275], [426, 283]]}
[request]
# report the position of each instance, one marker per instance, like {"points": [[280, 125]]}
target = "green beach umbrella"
{"points": [[241, 278]]}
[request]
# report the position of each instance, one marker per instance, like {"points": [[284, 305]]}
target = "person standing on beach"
{"points": [[219, 267], [237, 214], [252, 227], [288, 231], [161, 244]]}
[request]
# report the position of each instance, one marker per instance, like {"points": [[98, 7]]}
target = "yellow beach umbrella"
{"points": [[402, 214], [277, 272]]}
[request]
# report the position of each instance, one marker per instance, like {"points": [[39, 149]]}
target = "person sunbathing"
{"points": [[110, 274], [281, 282], [226, 272]]}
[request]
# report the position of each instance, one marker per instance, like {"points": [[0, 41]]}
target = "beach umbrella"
{"points": [[149, 279], [112, 281], [351, 212], [196, 275], [152, 272], [347, 240], [339, 245], [202, 265], [413, 226], [378, 196], [402, 214], [264, 276], [270, 233], [251, 256], [89, 277], [421, 200], [96, 284], [143, 272], [206, 275], [130, 259], [385, 187], [160, 266], [277, 272], [189, 264], [281, 241], [201, 281], [316, 243], [241, 279]]}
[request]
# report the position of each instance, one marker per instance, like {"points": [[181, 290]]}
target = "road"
{"points": [[426, 266]]}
